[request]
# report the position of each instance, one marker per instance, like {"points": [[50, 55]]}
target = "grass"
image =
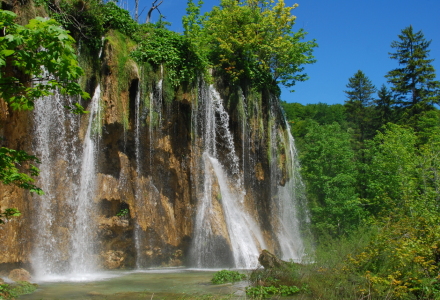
{"points": [[323, 278]]}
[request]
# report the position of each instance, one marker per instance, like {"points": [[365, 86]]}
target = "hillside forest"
{"points": [[371, 167]]}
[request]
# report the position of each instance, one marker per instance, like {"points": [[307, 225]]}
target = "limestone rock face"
{"points": [[113, 259], [19, 275], [149, 169]]}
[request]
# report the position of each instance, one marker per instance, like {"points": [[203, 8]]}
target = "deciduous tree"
{"points": [[34, 60], [254, 40], [330, 171]]}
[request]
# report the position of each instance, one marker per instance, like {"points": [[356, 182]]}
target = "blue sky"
{"points": [[352, 35]]}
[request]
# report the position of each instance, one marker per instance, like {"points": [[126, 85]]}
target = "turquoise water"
{"points": [[149, 284]]}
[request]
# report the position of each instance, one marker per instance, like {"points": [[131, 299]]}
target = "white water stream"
{"points": [[243, 234], [83, 237], [226, 232], [65, 232]]}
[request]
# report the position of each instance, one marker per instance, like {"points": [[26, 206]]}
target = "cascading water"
{"points": [[229, 228], [242, 234], [287, 198], [64, 221], [83, 236], [57, 146], [138, 150], [290, 199]]}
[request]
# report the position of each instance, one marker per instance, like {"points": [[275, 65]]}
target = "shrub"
{"points": [[11, 291], [224, 276]]}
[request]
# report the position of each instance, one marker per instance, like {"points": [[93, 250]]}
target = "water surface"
{"points": [[148, 284]]}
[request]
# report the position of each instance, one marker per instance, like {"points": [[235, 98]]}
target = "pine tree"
{"points": [[385, 108], [361, 89], [414, 81], [358, 104]]}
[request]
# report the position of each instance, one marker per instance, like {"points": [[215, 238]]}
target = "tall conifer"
{"points": [[359, 100], [414, 81]]}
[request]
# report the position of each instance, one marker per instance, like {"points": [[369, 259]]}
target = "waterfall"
{"points": [[222, 198], [243, 184], [288, 198], [56, 144], [137, 230], [83, 235], [291, 199], [64, 214]]}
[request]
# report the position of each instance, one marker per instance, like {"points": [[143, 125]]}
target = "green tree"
{"points": [[384, 109], [392, 162], [254, 40], [330, 171], [358, 104], [414, 81], [34, 60]]}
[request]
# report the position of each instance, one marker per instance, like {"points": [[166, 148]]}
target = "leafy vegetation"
{"points": [[123, 213], [371, 169], [225, 276], [35, 60], [27, 48], [261, 292], [252, 40], [12, 291]]}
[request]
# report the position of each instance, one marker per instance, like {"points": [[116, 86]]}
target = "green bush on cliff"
{"points": [[251, 41], [162, 47], [90, 20]]}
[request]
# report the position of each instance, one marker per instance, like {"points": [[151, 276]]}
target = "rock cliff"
{"points": [[166, 172]]}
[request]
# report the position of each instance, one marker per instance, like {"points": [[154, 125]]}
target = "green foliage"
{"points": [[360, 90], [35, 60], [274, 281], [123, 213], [384, 109], [402, 260], [225, 276], [374, 185], [253, 40], [359, 99], [9, 213], [90, 20], [12, 291], [260, 292], [330, 170], [40, 43], [321, 113], [391, 169], [10, 162], [119, 19], [414, 81], [162, 47]]}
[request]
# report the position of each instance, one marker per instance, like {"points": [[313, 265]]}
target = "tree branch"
{"points": [[153, 7]]}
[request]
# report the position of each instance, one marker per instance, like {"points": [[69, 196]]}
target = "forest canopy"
{"points": [[372, 168]]}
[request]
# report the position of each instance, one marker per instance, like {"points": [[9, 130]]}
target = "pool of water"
{"points": [[148, 284]]}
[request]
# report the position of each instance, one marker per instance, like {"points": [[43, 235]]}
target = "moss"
{"points": [[26, 10], [11, 291], [167, 91], [124, 70]]}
